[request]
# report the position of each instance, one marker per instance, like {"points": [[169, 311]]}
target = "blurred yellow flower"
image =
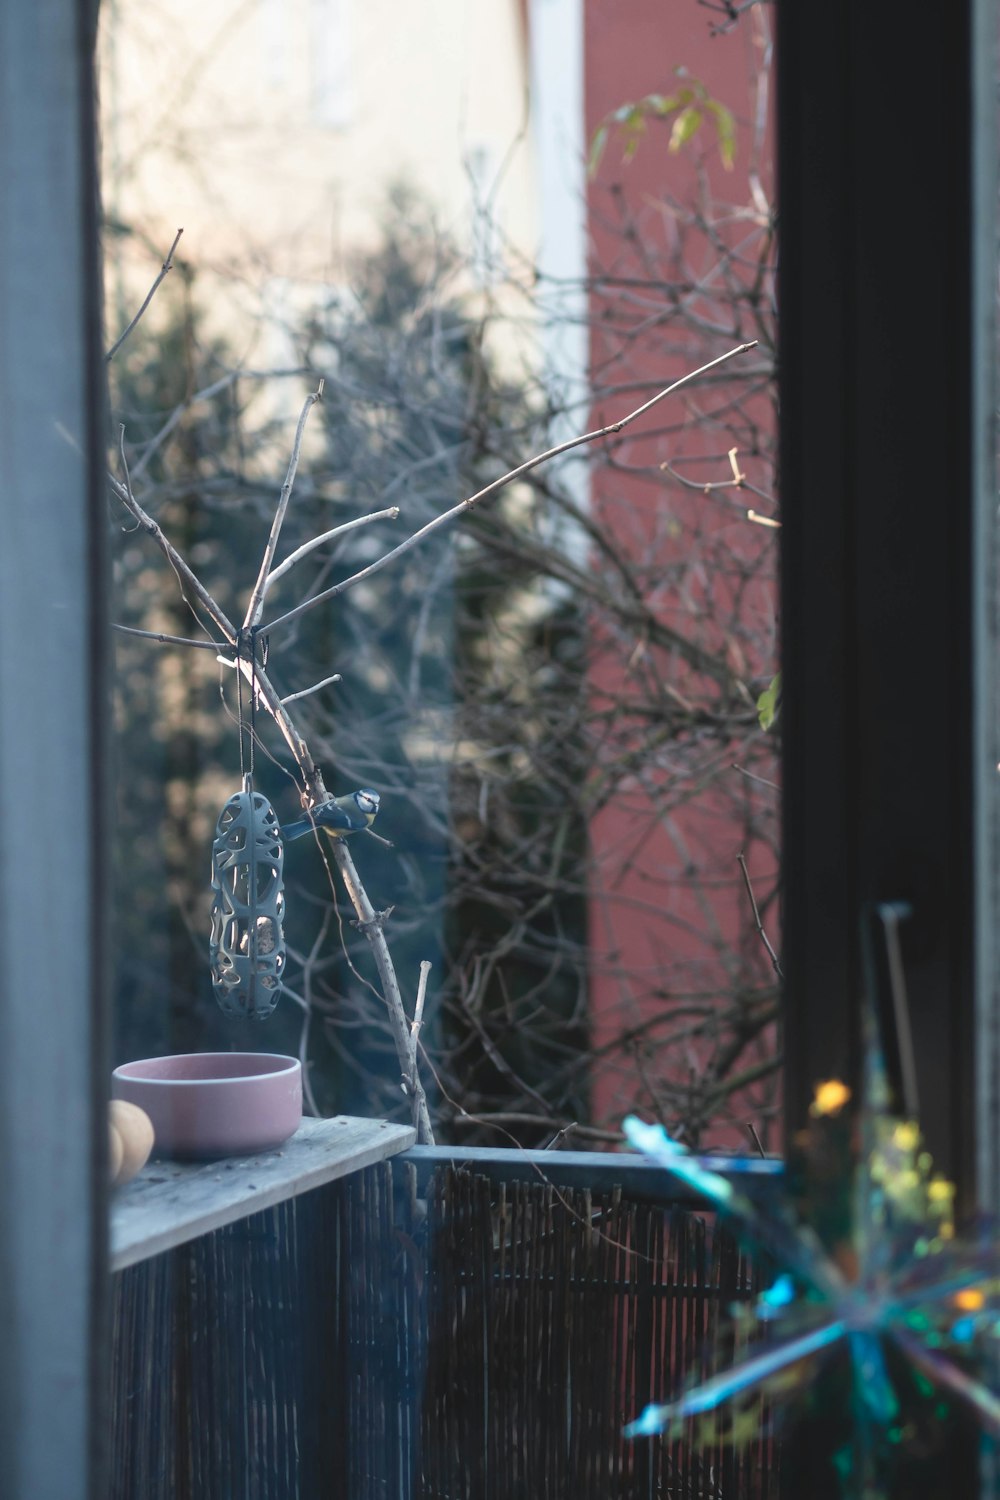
{"points": [[829, 1098]]}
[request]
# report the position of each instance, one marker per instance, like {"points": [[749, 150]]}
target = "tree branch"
{"points": [[254, 674], [532, 463], [169, 640], [371, 925], [256, 606], [308, 692], [776, 966], [390, 514], [168, 265]]}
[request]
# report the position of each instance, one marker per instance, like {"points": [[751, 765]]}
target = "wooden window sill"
{"points": [[171, 1202]]}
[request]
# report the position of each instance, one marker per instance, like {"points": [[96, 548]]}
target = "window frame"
{"points": [[53, 764], [888, 546]]}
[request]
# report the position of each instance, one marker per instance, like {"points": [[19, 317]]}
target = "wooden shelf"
{"points": [[171, 1202]]}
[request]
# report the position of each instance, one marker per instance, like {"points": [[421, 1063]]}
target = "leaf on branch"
{"points": [[725, 129], [767, 703], [597, 146], [685, 126], [689, 107]]}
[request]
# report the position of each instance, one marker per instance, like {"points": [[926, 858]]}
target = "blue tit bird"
{"points": [[338, 817]]}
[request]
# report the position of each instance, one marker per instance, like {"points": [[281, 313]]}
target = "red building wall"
{"points": [[672, 934]]}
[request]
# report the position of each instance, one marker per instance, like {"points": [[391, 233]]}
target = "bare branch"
{"points": [[532, 463], [256, 606], [168, 265], [741, 858], [156, 442], [121, 450], [707, 487], [308, 692], [386, 843], [751, 776], [186, 577], [418, 1010], [254, 673], [752, 1129], [168, 640], [390, 514], [371, 925]]}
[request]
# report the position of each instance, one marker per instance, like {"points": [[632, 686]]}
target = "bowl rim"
{"points": [[293, 1065]]}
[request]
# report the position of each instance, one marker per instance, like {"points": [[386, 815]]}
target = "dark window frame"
{"points": [[887, 286]]}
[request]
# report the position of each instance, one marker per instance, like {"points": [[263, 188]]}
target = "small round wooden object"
{"points": [[134, 1129]]}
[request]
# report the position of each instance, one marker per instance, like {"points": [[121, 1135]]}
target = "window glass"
{"points": [[568, 699], [521, 779]]}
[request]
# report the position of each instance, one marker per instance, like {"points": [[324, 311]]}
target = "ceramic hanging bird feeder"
{"points": [[247, 947]]}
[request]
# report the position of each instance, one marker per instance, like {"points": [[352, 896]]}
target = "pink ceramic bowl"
{"points": [[215, 1103]]}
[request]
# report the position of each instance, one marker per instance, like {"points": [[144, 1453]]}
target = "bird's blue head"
{"points": [[368, 801]]}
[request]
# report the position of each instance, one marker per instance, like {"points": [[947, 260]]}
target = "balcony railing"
{"points": [[463, 1325]]}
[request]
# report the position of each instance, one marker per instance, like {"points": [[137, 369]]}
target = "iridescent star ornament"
{"points": [[870, 1264]]}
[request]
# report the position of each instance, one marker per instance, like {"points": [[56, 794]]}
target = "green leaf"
{"points": [[597, 146], [725, 129], [687, 105], [685, 126], [767, 703]]}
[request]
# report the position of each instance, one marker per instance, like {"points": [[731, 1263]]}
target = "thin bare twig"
{"points": [[532, 463], [307, 692], [560, 1135], [156, 442], [386, 843], [741, 859], [709, 486], [256, 606], [390, 514], [751, 1127], [752, 776], [168, 265], [169, 640], [418, 1009], [121, 450]]}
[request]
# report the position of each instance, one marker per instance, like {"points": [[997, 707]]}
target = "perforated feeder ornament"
{"points": [[247, 947]]}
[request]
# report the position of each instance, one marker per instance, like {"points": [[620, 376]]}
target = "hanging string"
{"points": [[239, 707], [247, 753], [253, 701]]}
